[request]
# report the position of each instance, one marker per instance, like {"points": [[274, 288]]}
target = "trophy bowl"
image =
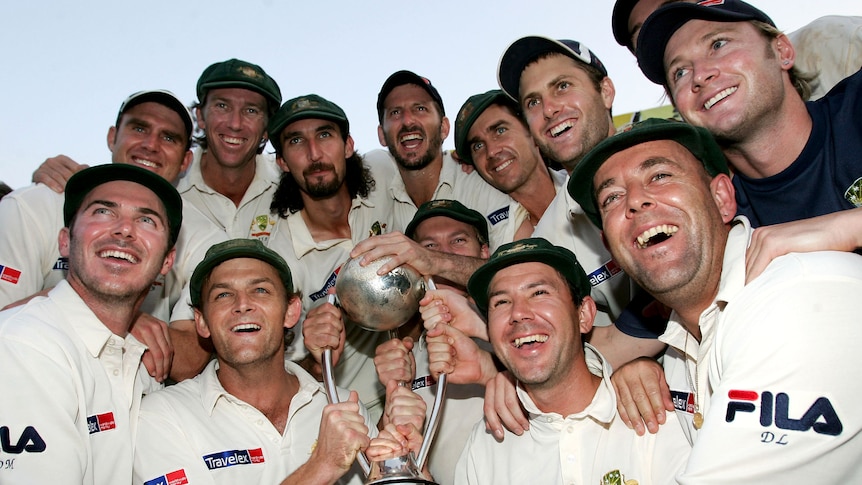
{"points": [[378, 303]]}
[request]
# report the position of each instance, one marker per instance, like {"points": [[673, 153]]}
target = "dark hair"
{"points": [[288, 196], [595, 75], [4, 189], [123, 113]]}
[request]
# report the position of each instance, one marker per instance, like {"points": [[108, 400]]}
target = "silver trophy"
{"points": [[380, 304]]}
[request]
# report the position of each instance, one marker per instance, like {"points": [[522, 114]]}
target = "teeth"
{"points": [[145, 163], [664, 229], [556, 130], [503, 166], [411, 137], [530, 339], [232, 141], [718, 97], [118, 255], [246, 327]]}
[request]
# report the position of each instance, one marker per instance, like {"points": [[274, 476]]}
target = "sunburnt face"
{"points": [[118, 242], [315, 154], [728, 77], [151, 136], [663, 218], [245, 312], [412, 128], [566, 114], [503, 150], [534, 326], [234, 121], [450, 236]]}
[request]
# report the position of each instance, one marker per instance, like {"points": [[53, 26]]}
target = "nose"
{"points": [[242, 303], [703, 72], [125, 227], [314, 151], [234, 119], [550, 107], [638, 199], [151, 140], [521, 310]]}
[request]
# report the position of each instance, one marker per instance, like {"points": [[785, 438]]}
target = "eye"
{"points": [[497, 302], [430, 245], [660, 176], [221, 105], [563, 85], [394, 112], [294, 140], [138, 129], [459, 240], [102, 211], [325, 134], [421, 108], [531, 103], [262, 290], [609, 199], [718, 44], [148, 220], [223, 294], [678, 74], [500, 130], [475, 147], [252, 110], [170, 138]]}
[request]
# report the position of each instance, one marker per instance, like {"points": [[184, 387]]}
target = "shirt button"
{"points": [[570, 429], [116, 372], [260, 422]]}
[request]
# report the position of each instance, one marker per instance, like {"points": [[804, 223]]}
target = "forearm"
{"points": [[456, 268], [191, 353]]}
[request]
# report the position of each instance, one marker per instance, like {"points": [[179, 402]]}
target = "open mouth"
{"points": [[558, 130], [145, 163], [114, 254], [503, 166], [718, 97], [530, 340], [411, 140], [656, 234], [232, 141], [246, 328]]}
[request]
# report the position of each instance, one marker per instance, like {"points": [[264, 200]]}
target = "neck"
{"points": [[116, 313], [536, 194], [268, 387], [570, 396], [775, 145], [327, 218], [421, 184], [232, 182]]}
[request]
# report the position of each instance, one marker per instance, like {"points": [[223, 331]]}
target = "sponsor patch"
{"points": [[604, 273], [224, 459], [62, 264], [710, 3], [498, 216], [820, 416], [683, 401], [853, 194], [101, 422], [425, 381], [330, 283], [9, 274], [173, 478]]}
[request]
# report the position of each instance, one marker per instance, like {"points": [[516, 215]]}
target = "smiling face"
{"points": [[234, 121], [117, 243], [728, 77], [412, 128], [315, 154], [244, 310], [151, 136], [664, 219], [502, 149], [535, 326], [566, 114]]}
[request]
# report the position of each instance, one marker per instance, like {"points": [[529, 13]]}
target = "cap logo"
{"points": [[466, 111], [710, 3], [517, 249], [302, 104], [249, 71], [436, 204]]}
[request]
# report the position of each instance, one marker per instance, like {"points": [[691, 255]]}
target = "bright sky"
{"points": [[68, 65]]}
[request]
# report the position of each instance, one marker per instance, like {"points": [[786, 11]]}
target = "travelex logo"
{"points": [[62, 264], [683, 401], [604, 273], [224, 459], [173, 478], [425, 381], [775, 411], [330, 283], [498, 216], [101, 422], [10, 275]]}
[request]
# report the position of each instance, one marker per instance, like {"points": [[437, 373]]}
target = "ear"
{"points": [[586, 315], [785, 51], [381, 137], [112, 138], [187, 161], [484, 253], [724, 195], [444, 128], [169, 261], [294, 310], [201, 324], [608, 92], [348, 147], [63, 241], [199, 117], [282, 164]]}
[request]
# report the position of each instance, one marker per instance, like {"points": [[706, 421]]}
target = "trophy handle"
{"points": [[332, 393]]}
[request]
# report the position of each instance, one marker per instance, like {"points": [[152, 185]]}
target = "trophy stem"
{"points": [[332, 395]]}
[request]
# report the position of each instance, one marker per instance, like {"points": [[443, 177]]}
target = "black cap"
{"points": [[659, 27], [451, 209], [164, 98], [233, 249], [401, 78], [303, 108], [83, 182], [620, 22], [696, 140], [528, 250], [527, 49]]}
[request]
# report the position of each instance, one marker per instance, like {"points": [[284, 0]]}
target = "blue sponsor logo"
{"points": [[62, 264], [498, 216], [330, 283], [224, 459]]}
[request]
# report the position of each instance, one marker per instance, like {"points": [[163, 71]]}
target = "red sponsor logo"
{"points": [[177, 478], [710, 3], [256, 455], [9, 274], [106, 421]]}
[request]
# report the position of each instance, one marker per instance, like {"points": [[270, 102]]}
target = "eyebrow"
{"points": [[643, 166], [704, 38], [327, 126], [140, 210]]}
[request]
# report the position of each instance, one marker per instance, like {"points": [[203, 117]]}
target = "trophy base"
{"points": [[401, 480]]}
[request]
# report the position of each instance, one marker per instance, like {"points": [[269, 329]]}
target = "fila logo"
{"points": [[224, 459], [821, 416], [29, 441], [177, 477]]}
